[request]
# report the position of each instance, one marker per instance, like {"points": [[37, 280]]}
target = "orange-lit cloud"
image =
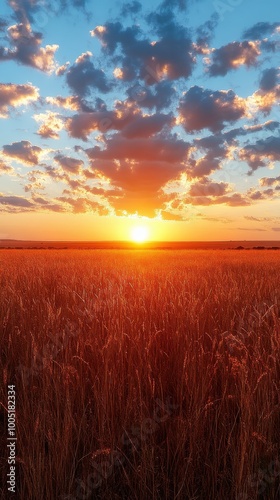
{"points": [[52, 124], [12, 95], [26, 48]]}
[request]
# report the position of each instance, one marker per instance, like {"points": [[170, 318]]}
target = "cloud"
{"points": [[25, 49], [26, 10], [74, 103], [208, 188], [139, 168], [146, 126], [257, 219], [263, 152], [125, 117], [234, 200], [260, 30], [251, 229], [168, 57], [5, 169], [51, 124], [68, 164], [3, 24], [202, 108], [23, 151], [269, 92], [205, 32], [257, 195], [233, 55], [170, 150], [275, 229], [160, 97], [12, 95], [269, 181], [15, 201], [269, 79], [82, 77], [83, 205]]}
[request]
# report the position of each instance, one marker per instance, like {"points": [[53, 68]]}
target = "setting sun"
{"points": [[139, 234]]}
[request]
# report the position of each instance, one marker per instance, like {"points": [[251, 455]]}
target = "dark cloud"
{"points": [[26, 48], [68, 164], [129, 120], [25, 11], [83, 77], [146, 126], [3, 24], [269, 181], [202, 108], [234, 200], [256, 195], [169, 57], [269, 45], [233, 55], [160, 97], [261, 153], [16, 201], [153, 149], [269, 92], [208, 188], [205, 32], [23, 151], [269, 79], [260, 30]]}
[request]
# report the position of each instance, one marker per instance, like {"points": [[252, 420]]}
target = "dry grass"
{"points": [[142, 375]]}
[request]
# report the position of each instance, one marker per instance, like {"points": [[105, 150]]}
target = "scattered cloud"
{"points": [[68, 164], [203, 108], [260, 30], [12, 96], [83, 77], [263, 152], [52, 124], [24, 152], [26, 48], [233, 55]]}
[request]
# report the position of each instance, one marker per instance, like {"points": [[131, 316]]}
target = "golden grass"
{"points": [[142, 375]]}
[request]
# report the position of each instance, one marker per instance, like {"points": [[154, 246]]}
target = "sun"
{"points": [[139, 234]]}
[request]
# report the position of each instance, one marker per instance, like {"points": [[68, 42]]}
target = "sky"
{"points": [[160, 114]]}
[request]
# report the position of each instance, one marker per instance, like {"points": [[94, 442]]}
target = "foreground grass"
{"points": [[142, 375]]}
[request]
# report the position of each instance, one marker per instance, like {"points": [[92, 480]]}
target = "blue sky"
{"points": [[165, 112]]}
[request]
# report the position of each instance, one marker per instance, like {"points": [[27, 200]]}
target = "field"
{"points": [[142, 374]]}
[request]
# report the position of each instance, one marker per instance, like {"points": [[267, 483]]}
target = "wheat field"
{"points": [[142, 374]]}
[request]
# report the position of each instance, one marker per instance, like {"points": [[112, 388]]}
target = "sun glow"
{"points": [[139, 234]]}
